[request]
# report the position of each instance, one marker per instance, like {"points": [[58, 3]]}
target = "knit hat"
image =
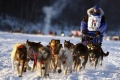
{"points": [[98, 10], [96, 7]]}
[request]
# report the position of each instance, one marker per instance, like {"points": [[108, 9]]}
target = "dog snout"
{"points": [[93, 59], [42, 58]]}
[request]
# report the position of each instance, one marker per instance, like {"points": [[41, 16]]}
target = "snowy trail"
{"points": [[109, 71]]}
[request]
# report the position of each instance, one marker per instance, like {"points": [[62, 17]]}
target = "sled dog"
{"points": [[96, 54], [19, 54], [55, 47], [80, 57], [65, 59], [42, 56]]}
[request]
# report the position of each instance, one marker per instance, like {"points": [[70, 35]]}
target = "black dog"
{"points": [[80, 54], [96, 53]]}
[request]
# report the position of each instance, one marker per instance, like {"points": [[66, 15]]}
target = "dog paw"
{"points": [[43, 68], [80, 67], [54, 70], [45, 75], [29, 68], [24, 70], [59, 70], [19, 75], [108, 53]]}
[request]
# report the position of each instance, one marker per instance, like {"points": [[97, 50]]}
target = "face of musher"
{"points": [[96, 10]]}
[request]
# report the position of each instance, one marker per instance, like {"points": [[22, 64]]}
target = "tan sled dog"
{"points": [[55, 47], [19, 54]]}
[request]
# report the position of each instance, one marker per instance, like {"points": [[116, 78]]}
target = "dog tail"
{"points": [[105, 54]]}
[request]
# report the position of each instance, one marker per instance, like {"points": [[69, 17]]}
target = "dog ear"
{"points": [[52, 40], [27, 41]]}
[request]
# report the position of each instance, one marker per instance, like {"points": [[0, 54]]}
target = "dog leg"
{"points": [[40, 68], [12, 60], [23, 63], [56, 62], [65, 69], [81, 65], [27, 66], [90, 61], [96, 63], [70, 68], [74, 66], [18, 68], [79, 68], [59, 67], [85, 61], [46, 69], [13, 65], [53, 65], [101, 58], [33, 66]]}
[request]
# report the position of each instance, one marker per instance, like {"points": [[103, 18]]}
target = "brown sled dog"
{"points": [[55, 47], [43, 56], [19, 54], [32, 51], [95, 54]]}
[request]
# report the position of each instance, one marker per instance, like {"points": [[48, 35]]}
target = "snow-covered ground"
{"points": [[109, 71]]}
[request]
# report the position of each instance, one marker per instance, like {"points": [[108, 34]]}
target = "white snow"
{"points": [[109, 71]]}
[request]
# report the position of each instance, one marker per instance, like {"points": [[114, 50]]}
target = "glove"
{"points": [[84, 31], [97, 33]]}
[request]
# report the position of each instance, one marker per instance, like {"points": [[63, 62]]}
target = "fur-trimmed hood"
{"points": [[91, 9]]}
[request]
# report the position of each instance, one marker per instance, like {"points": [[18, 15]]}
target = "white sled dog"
{"points": [[65, 59]]}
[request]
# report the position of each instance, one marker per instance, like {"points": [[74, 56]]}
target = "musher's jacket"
{"points": [[94, 22]]}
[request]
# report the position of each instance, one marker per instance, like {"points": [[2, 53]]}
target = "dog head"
{"points": [[37, 44], [80, 50], [92, 55], [63, 55], [33, 45], [67, 44], [57, 41], [43, 53], [52, 43], [89, 44]]}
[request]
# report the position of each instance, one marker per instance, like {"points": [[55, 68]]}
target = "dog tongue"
{"points": [[64, 62], [73, 54], [93, 59]]}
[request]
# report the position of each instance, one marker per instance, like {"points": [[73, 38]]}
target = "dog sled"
{"points": [[91, 37]]}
